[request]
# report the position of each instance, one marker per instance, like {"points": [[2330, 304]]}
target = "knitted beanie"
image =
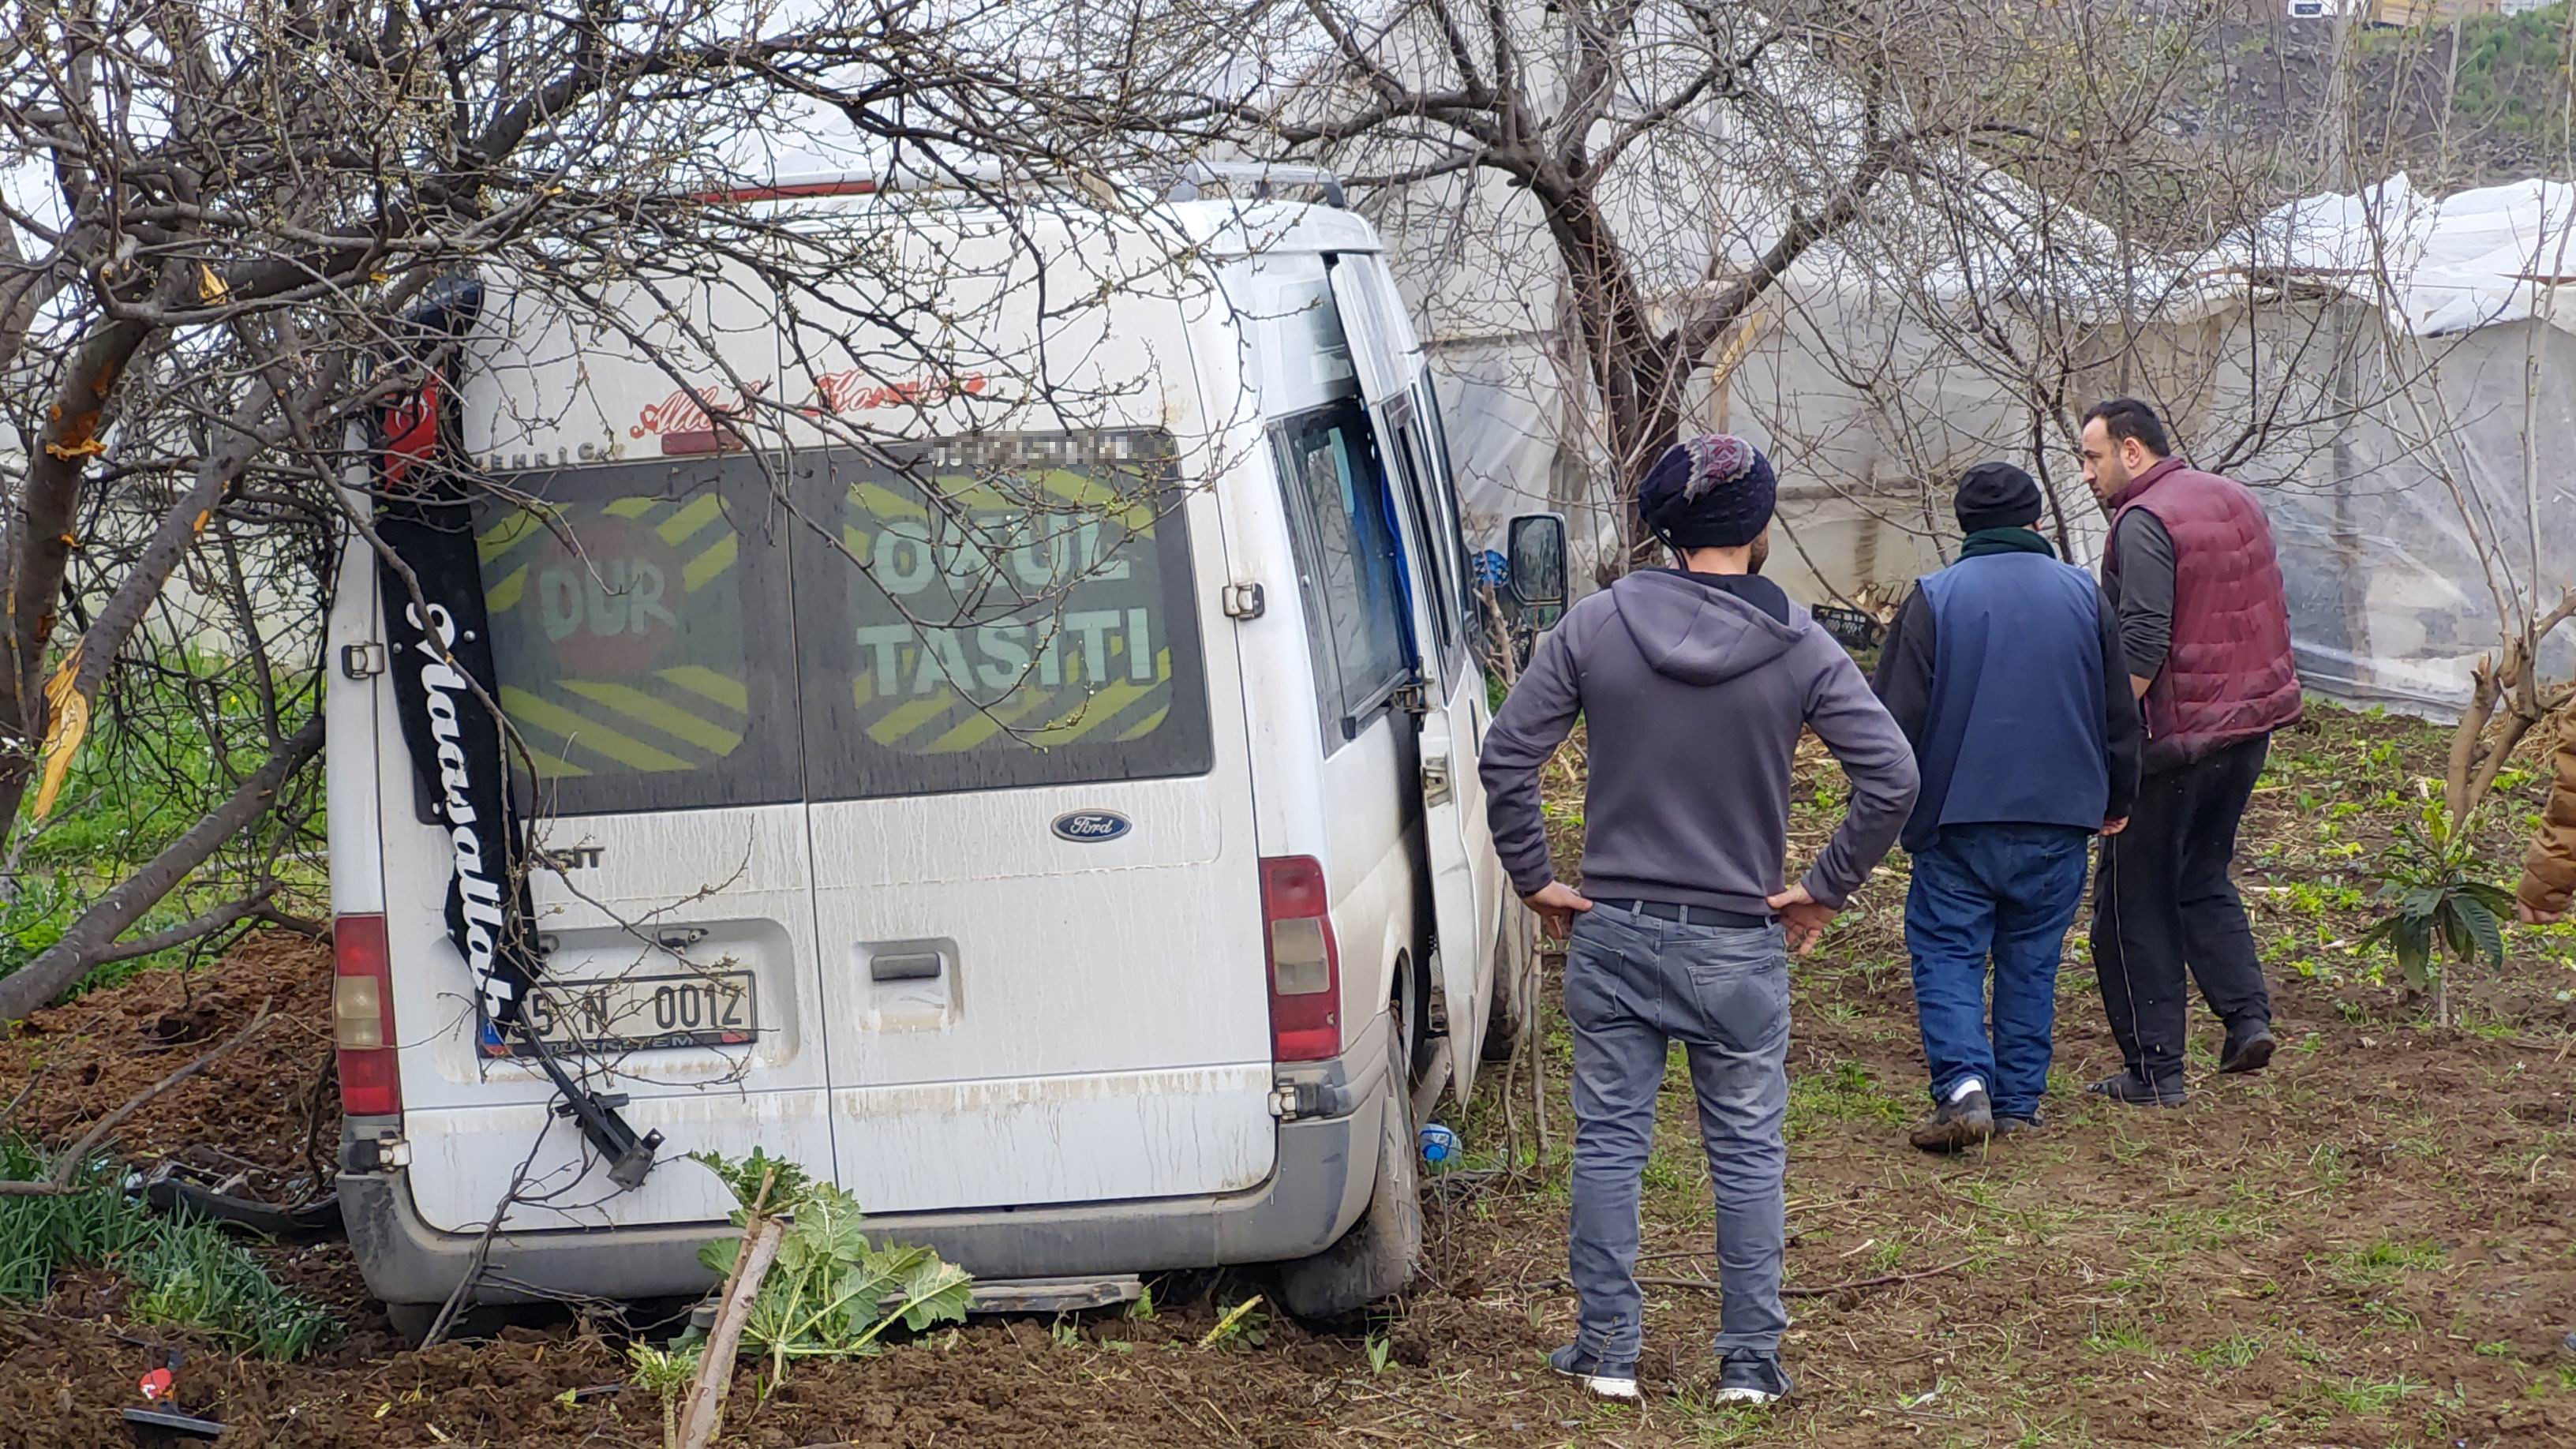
{"points": [[1996, 495], [1712, 491]]}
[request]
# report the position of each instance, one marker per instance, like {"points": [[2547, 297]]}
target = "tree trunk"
{"points": [[1624, 361]]}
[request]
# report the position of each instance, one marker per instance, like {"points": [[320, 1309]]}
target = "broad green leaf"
{"points": [[2485, 928], [2495, 898], [935, 1292], [718, 1257], [2413, 939], [2455, 929]]}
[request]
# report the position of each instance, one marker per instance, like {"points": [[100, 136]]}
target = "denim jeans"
{"points": [[1633, 985], [2009, 891]]}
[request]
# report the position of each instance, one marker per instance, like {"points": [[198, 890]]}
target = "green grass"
{"points": [[2127, 1337], [150, 768], [184, 1274], [1846, 1092], [2383, 1261], [2356, 1396], [2231, 1353]]}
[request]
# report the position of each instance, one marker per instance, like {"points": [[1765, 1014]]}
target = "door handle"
{"points": [[915, 966]]}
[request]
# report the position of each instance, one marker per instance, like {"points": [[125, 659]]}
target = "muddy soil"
{"points": [[2372, 1243]]}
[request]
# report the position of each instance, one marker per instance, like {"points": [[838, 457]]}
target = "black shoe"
{"points": [[1609, 1381], [2015, 1126], [1958, 1125], [1750, 1376], [2249, 1048], [2130, 1088]]}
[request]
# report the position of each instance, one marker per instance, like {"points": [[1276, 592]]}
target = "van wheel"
{"points": [[1515, 986], [1412, 1008], [412, 1321], [1379, 1256]]}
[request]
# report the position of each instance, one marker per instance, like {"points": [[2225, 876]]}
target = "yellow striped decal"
{"points": [[985, 723], [703, 570], [706, 508], [1091, 493], [505, 595], [905, 719], [1147, 725], [884, 502], [671, 720], [707, 684], [632, 507], [527, 711], [515, 527], [1091, 714]]}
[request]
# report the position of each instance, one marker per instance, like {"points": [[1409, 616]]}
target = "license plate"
{"points": [[643, 1013]]}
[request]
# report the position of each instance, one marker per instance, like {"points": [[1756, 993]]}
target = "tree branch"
{"points": [[60, 966]]}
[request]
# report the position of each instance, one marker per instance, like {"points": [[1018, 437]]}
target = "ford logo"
{"points": [[1091, 825]]}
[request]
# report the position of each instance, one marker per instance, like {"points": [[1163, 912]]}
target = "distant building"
{"points": [[2405, 13]]}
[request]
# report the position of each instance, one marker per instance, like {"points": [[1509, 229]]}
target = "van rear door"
{"points": [[640, 622], [1036, 893]]}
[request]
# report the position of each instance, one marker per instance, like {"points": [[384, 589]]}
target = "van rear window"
{"points": [[1010, 611], [633, 611], [997, 612]]}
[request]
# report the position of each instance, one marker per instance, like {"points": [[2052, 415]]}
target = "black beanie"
{"points": [[1997, 495]]}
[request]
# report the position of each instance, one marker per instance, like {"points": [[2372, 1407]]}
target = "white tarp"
{"points": [[2440, 265]]}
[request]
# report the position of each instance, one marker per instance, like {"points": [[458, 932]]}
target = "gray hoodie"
{"points": [[1693, 689]]}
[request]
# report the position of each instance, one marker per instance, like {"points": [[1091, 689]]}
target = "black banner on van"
{"points": [[441, 657]]}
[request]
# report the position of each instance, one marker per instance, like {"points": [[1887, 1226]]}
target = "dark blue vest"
{"points": [[2014, 732]]}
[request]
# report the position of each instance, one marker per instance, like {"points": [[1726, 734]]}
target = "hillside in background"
{"points": [[2497, 115]]}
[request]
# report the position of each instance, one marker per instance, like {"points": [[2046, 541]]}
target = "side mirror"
{"points": [[1536, 549]]}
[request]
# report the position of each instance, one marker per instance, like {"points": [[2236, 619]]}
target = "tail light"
{"points": [[1305, 965], [362, 1018]]}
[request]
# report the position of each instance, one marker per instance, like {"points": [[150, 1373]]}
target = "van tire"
{"points": [[1515, 984], [1379, 1256], [1410, 1004]]}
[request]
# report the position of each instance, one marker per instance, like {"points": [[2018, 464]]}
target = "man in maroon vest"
{"points": [[2191, 571]]}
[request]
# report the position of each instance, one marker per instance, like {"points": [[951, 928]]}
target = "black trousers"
{"points": [[2162, 900]]}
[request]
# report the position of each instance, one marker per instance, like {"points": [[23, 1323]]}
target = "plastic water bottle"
{"points": [[1439, 1144]]}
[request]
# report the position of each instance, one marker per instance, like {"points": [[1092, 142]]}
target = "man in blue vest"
{"points": [[2005, 671]]}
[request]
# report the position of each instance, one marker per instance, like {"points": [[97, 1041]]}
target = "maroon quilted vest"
{"points": [[2229, 675]]}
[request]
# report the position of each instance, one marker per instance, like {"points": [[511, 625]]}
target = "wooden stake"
{"points": [[761, 1234]]}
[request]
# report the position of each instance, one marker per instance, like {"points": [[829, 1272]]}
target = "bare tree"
{"points": [[211, 222], [1677, 159]]}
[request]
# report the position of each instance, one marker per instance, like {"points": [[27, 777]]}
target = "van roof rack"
{"points": [[1190, 182]]}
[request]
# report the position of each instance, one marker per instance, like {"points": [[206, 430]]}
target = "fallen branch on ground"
{"points": [[67, 1167]]}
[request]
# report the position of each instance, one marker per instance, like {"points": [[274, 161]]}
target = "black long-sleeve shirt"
{"points": [[2142, 590], [1904, 685]]}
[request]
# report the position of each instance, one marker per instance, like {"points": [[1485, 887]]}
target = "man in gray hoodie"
{"points": [[1693, 684]]}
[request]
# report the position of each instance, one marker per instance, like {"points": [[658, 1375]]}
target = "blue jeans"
{"points": [[1634, 984], [2006, 890]]}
